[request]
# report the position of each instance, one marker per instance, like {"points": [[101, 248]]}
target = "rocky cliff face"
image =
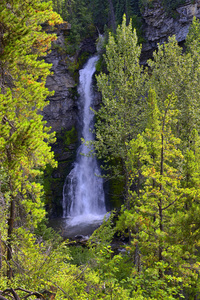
{"points": [[61, 115], [61, 111], [159, 25]]}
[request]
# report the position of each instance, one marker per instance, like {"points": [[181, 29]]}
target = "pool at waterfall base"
{"points": [[82, 225]]}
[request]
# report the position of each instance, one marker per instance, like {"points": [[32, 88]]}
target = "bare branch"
{"points": [[169, 205], [2, 298], [77, 276], [5, 292]]}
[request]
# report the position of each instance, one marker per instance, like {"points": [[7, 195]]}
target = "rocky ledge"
{"points": [[159, 25]]}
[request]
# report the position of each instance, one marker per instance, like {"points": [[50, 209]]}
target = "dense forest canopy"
{"points": [[147, 134], [88, 17], [102, 13]]}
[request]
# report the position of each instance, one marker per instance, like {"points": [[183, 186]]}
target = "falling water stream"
{"points": [[83, 195]]}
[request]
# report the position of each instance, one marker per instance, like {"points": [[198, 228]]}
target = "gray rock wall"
{"points": [[61, 112], [159, 25]]}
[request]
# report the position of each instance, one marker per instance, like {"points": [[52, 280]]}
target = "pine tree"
{"points": [[99, 9], [161, 228], [112, 16], [79, 15], [174, 72], [122, 89], [24, 147]]}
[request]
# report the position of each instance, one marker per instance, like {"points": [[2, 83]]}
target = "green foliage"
{"points": [[75, 65], [116, 188], [44, 233], [137, 24], [162, 164], [172, 4], [103, 236], [143, 3], [118, 119], [80, 255], [128, 7], [101, 47], [80, 18], [192, 39], [99, 10], [112, 269], [157, 238], [37, 260], [152, 145], [70, 137], [24, 149], [175, 73], [60, 6], [99, 65], [47, 182], [169, 5]]}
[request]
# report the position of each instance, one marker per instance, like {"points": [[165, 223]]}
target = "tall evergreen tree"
{"points": [[112, 15], [122, 89], [157, 215], [79, 15], [174, 72], [100, 10], [24, 146], [123, 7]]}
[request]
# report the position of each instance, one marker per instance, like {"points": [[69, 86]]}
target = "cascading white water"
{"points": [[83, 195]]}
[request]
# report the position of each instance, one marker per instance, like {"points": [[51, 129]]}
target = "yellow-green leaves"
{"points": [[24, 140], [118, 120]]}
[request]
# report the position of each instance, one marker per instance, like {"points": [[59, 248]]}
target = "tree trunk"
{"points": [[10, 230], [0, 253], [160, 201], [112, 16], [58, 7], [126, 12]]}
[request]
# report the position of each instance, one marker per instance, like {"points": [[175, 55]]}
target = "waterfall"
{"points": [[83, 194]]}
